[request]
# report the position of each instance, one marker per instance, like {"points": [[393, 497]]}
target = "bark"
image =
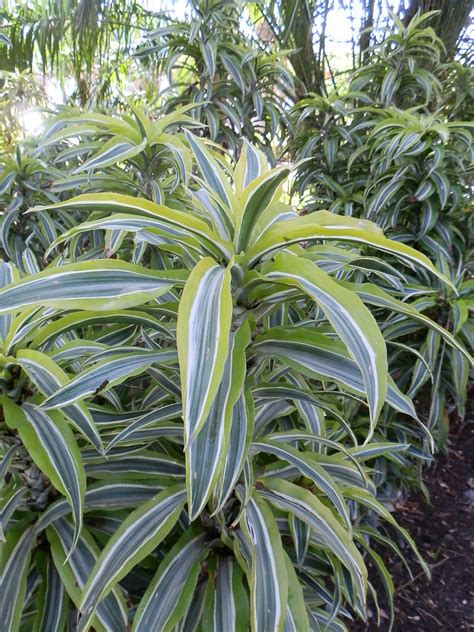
{"points": [[368, 23]]}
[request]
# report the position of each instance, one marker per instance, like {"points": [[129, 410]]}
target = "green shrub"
{"points": [[392, 149], [206, 395], [237, 87], [206, 411]]}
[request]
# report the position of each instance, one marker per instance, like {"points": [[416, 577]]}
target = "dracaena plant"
{"points": [[408, 170], [188, 441], [402, 69], [236, 89], [135, 153]]}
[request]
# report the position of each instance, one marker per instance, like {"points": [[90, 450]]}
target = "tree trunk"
{"points": [[368, 23]]}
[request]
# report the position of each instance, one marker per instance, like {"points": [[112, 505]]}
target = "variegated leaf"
{"points": [[137, 536], [204, 318]]}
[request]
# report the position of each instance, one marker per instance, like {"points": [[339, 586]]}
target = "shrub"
{"points": [[392, 149], [206, 411], [236, 87]]}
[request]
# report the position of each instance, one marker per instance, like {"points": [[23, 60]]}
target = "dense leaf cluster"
{"points": [[207, 394]]}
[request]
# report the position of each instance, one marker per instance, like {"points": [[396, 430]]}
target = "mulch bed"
{"points": [[443, 529]]}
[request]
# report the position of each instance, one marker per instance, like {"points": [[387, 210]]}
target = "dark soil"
{"points": [[443, 529]]}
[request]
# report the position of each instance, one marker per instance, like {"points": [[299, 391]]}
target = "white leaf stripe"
{"points": [[268, 576], [239, 439], [100, 284], [296, 435], [105, 375], [317, 356], [110, 612], [231, 65], [5, 462], [142, 465], [297, 617], [210, 169], [374, 295], [61, 460], [14, 582], [170, 411], [114, 202], [204, 317], [52, 609], [301, 537], [162, 596], [115, 150], [307, 507], [9, 507], [205, 456], [259, 196], [109, 495], [308, 468], [143, 226], [297, 230], [7, 276], [224, 603], [352, 321], [253, 164], [140, 532], [365, 498], [36, 365], [172, 430], [78, 320]]}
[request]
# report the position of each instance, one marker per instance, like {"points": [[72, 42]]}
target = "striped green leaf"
{"points": [[301, 535], [352, 321], [320, 357], [294, 499], [146, 465], [205, 456], [268, 578], [365, 498], [155, 418], [113, 151], [115, 202], [154, 230], [106, 374], [94, 285], [211, 171], [296, 615], [14, 579], [231, 64], [251, 164], [240, 436], [255, 200], [74, 321], [7, 458], [52, 446], [10, 503], [231, 599], [136, 537], [370, 293], [124, 494], [8, 275], [74, 570], [309, 468], [48, 377], [204, 318], [307, 228], [167, 597], [52, 601]]}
